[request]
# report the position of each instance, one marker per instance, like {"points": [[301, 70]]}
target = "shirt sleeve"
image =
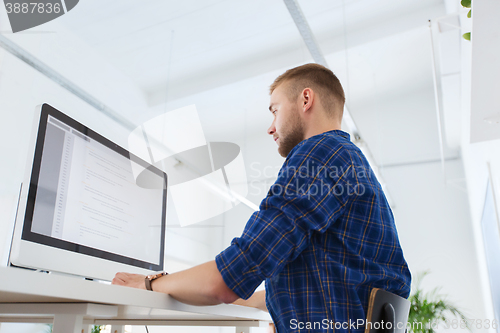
{"points": [[308, 196]]}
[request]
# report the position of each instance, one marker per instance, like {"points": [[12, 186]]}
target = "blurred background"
{"points": [[406, 70]]}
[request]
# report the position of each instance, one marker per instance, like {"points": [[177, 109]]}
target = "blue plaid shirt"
{"points": [[323, 238]]}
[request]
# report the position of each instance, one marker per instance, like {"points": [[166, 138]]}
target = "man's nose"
{"points": [[272, 129]]}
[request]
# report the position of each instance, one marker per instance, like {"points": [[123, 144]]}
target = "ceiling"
{"points": [[222, 56]]}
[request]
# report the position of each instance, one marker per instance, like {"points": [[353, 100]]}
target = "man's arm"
{"points": [[257, 300], [199, 285]]}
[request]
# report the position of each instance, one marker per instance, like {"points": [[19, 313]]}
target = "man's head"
{"points": [[305, 101]]}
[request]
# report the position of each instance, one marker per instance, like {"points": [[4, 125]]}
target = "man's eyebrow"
{"points": [[271, 107]]}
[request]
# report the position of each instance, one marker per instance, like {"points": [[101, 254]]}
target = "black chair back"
{"points": [[387, 312]]}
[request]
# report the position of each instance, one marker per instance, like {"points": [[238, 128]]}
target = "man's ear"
{"points": [[307, 99]]}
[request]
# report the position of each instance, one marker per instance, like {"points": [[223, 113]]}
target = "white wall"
{"points": [[433, 221]]}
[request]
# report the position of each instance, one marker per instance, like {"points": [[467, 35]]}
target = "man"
{"points": [[324, 235]]}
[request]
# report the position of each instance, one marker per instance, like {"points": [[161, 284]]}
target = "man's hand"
{"points": [[130, 280]]}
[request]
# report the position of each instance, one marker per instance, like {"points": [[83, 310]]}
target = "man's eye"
{"points": [[274, 111]]}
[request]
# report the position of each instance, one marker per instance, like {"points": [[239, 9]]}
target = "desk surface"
{"points": [[24, 286]]}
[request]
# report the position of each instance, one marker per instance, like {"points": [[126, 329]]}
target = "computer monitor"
{"points": [[87, 206]]}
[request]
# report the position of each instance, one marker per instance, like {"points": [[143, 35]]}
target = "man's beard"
{"points": [[292, 135]]}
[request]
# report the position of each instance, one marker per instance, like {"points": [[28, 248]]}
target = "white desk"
{"points": [[73, 304]]}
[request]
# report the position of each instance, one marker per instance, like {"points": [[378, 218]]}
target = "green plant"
{"points": [[429, 311], [97, 329], [467, 4]]}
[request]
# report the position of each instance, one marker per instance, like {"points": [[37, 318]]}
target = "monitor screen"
{"points": [[84, 197]]}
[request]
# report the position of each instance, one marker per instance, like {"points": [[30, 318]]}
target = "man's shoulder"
{"points": [[323, 146]]}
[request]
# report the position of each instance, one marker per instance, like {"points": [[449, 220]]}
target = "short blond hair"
{"points": [[320, 79]]}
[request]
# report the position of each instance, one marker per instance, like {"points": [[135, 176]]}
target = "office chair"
{"points": [[387, 312]]}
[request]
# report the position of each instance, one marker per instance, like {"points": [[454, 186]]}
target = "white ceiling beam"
{"points": [[305, 31]]}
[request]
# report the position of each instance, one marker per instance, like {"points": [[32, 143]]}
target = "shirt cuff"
{"points": [[238, 271]]}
